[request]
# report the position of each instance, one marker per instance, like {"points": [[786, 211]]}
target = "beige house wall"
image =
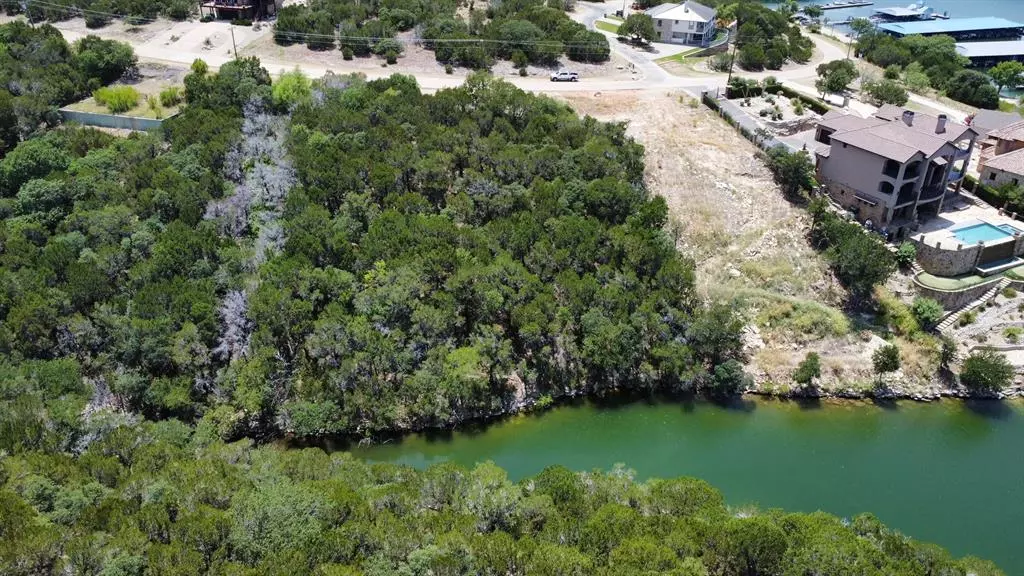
{"points": [[845, 197], [995, 177]]}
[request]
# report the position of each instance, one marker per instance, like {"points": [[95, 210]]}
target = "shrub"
{"points": [[523, 72], [893, 71], [1013, 334], [117, 99], [241, 22], [519, 59], [720, 62], [859, 259], [986, 371], [1009, 292], [906, 254], [968, 318], [170, 96], [154, 105], [974, 88], [886, 359], [448, 69], [927, 311], [391, 57], [896, 315], [886, 92], [808, 369], [290, 89], [346, 52]]}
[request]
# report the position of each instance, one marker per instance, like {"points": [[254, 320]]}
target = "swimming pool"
{"points": [[984, 232]]}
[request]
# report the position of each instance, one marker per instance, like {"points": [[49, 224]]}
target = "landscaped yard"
{"points": [[607, 26], [148, 103], [957, 283], [678, 57]]}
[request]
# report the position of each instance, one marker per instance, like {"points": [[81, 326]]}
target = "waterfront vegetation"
{"points": [[356, 257], [160, 498], [922, 62]]}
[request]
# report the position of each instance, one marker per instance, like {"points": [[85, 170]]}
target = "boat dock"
{"points": [[847, 4]]}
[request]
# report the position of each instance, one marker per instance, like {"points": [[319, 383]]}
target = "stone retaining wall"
{"points": [[955, 299], [951, 260]]}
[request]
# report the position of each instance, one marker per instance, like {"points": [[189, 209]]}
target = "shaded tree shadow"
{"points": [[736, 404], [808, 402], [993, 409], [885, 403]]}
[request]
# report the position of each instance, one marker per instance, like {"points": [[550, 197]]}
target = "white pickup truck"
{"points": [[565, 76]]}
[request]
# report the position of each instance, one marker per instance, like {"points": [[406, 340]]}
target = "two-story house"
{"points": [[893, 169], [687, 23]]}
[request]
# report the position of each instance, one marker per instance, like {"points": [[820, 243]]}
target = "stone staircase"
{"points": [[951, 320], [916, 268]]}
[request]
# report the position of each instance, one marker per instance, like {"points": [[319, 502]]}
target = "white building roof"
{"points": [[987, 49], [689, 10]]}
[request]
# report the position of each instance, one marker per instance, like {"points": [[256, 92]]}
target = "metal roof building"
{"points": [[963, 29], [988, 54]]}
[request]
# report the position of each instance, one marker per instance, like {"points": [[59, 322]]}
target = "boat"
{"points": [[840, 4], [911, 13]]}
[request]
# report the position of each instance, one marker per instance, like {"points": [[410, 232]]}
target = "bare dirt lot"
{"points": [[749, 242]]}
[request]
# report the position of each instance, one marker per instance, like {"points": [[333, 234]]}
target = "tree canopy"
{"points": [[639, 27], [538, 32], [160, 498], [835, 77]]}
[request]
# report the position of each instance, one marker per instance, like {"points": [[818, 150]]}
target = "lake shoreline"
{"points": [[529, 408]]}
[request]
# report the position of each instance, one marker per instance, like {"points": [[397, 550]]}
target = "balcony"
{"points": [[929, 193], [955, 176], [891, 169]]}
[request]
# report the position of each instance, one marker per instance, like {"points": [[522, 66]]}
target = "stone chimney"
{"points": [[940, 126], [908, 117]]}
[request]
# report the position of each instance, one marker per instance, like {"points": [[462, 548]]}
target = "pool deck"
{"points": [[941, 229]]}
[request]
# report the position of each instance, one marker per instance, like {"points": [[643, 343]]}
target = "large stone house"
{"points": [[687, 23], [895, 168], [1002, 156]]}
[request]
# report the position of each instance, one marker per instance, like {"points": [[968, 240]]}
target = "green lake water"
{"points": [[950, 473]]}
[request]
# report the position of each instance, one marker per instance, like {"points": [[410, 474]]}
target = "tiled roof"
{"points": [[1014, 131], [988, 121], [1012, 162], [887, 135]]}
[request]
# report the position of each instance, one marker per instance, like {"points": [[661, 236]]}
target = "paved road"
{"points": [[649, 75]]}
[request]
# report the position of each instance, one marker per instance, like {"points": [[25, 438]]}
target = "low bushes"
{"points": [[170, 96], [117, 99], [859, 259], [747, 88]]}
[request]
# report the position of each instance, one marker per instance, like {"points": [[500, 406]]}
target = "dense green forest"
{"points": [[40, 71], [459, 33], [346, 257], [357, 257], [160, 499]]}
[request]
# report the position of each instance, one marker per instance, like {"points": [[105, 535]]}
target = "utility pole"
{"points": [[732, 60], [233, 47]]}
